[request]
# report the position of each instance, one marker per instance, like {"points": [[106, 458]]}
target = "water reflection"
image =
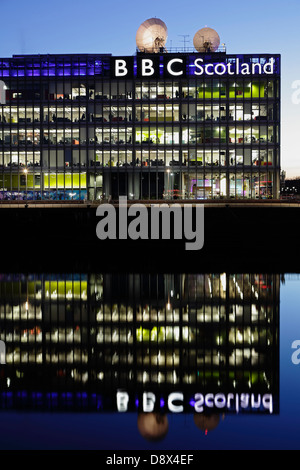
{"points": [[205, 344]]}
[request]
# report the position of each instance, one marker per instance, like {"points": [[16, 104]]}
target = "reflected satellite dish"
{"points": [[206, 423], [206, 40], [151, 36]]}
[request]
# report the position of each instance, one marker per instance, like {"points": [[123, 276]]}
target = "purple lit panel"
{"points": [[46, 71]]}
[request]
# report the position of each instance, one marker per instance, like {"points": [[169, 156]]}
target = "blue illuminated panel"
{"points": [[27, 66]]}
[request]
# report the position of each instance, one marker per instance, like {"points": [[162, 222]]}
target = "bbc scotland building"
{"points": [[152, 126]]}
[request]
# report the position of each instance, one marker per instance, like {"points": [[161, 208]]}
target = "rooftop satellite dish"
{"points": [[206, 40], [152, 36]]}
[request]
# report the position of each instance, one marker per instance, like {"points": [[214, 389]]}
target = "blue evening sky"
{"points": [[109, 26]]}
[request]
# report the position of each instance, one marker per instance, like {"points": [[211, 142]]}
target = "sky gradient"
{"points": [[70, 26]]}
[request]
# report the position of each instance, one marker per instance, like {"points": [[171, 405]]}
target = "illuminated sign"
{"points": [[2, 352], [183, 66]]}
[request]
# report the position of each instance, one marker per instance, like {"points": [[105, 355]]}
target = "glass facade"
{"points": [[73, 130]]}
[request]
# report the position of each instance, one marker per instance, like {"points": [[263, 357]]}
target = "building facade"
{"points": [[71, 338], [149, 126]]}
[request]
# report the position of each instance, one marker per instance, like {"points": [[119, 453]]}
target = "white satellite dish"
{"points": [[206, 40], [151, 36]]}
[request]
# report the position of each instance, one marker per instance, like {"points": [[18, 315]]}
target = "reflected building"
{"points": [[135, 342]]}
